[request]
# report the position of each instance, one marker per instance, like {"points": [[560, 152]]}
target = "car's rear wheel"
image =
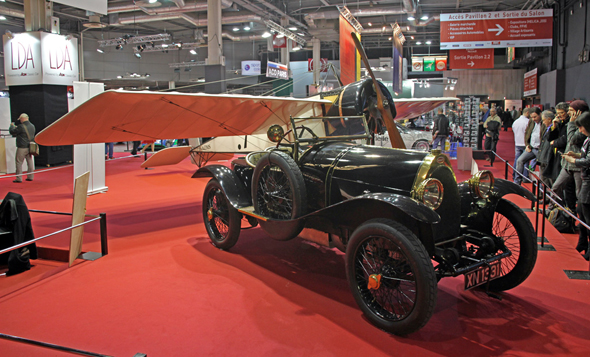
{"points": [[422, 145], [278, 192], [391, 276], [222, 220], [516, 231]]}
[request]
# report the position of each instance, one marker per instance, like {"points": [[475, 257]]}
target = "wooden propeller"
{"points": [[382, 103]]}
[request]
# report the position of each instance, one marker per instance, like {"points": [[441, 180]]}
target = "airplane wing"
{"points": [[167, 156], [411, 108], [117, 115]]}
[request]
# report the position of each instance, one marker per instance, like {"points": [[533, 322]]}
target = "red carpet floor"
{"points": [[165, 290]]}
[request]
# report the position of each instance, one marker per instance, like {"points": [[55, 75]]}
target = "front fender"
{"points": [[234, 188], [504, 187], [353, 212]]}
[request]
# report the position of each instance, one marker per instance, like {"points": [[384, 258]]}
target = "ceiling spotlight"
{"points": [[292, 28], [370, 24], [119, 47], [246, 28], [179, 45], [384, 28], [164, 45], [301, 34], [119, 77], [412, 37], [137, 54], [2, 17], [280, 35], [429, 42], [147, 74], [193, 52], [153, 1], [411, 18], [424, 17], [99, 50], [296, 48], [418, 43], [266, 34], [235, 29], [390, 39]]}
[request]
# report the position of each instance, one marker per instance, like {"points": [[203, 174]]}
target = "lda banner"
{"points": [[40, 58]]}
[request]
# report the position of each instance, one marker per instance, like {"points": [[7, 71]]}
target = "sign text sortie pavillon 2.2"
{"points": [[527, 28]]}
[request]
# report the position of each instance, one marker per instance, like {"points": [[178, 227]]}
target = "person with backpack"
{"points": [[492, 133]]}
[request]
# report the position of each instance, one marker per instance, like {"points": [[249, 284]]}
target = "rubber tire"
{"points": [[528, 247], [233, 217], [294, 176], [421, 266], [422, 145]]}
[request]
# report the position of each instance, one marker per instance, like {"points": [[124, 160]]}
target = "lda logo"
{"points": [[59, 58], [21, 55]]}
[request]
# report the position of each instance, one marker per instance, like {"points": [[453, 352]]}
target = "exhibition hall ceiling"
{"points": [[245, 20]]}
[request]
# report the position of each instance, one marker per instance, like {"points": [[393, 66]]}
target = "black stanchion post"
{"points": [[506, 170], [537, 210], [543, 214], [103, 234], [534, 193]]}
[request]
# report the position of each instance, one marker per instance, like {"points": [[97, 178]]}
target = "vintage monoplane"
{"points": [[399, 215]]}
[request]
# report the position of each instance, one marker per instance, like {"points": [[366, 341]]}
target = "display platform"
{"points": [[164, 290]]}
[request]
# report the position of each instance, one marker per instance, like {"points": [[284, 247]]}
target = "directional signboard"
{"points": [[527, 28], [470, 59], [530, 83]]}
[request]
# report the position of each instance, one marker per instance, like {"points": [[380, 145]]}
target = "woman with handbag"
{"points": [[25, 134]]}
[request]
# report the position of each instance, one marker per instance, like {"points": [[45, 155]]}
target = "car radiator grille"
{"points": [[450, 209]]}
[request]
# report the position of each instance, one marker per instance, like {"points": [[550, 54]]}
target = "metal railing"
{"points": [[103, 231]]}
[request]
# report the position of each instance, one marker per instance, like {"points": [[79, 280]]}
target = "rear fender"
{"points": [[234, 188]]}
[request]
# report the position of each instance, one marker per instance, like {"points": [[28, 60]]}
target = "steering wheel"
{"points": [[303, 129]]}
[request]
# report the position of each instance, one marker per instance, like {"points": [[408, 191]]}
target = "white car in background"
{"points": [[414, 139]]}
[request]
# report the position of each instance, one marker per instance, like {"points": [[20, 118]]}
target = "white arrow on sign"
{"points": [[498, 28], [471, 64]]}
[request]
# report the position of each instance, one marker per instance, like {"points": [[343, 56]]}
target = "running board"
{"points": [[249, 211]]}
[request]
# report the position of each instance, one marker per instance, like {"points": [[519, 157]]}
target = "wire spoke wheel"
{"points": [[396, 296], [221, 219], [274, 193], [516, 232], [391, 276]]}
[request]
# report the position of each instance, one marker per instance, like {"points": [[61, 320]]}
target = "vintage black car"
{"points": [[399, 215]]}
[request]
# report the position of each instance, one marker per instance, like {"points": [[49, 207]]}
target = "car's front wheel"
{"points": [[391, 276], [515, 230]]}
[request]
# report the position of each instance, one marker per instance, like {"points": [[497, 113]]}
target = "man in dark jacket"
{"points": [[545, 156], [24, 133], [441, 130]]}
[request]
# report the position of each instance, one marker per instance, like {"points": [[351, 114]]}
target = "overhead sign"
{"points": [[527, 28], [279, 42], [250, 68], [40, 58], [98, 6], [323, 65], [429, 64], [471, 59], [417, 64], [277, 70], [530, 83]]}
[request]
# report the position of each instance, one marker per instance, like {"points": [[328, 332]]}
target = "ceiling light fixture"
{"points": [[266, 34], [412, 37], [193, 52], [99, 50], [137, 54], [429, 42], [296, 48], [390, 39], [2, 17], [370, 24], [418, 43], [293, 28], [411, 18], [119, 47], [424, 17], [246, 28], [236, 29]]}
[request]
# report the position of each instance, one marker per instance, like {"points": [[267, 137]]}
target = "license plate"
{"points": [[482, 275]]}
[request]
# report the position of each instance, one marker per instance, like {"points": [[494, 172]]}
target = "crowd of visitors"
{"points": [[558, 141]]}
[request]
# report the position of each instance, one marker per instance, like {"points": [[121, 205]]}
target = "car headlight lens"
{"points": [[430, 192], [482, 183]]}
